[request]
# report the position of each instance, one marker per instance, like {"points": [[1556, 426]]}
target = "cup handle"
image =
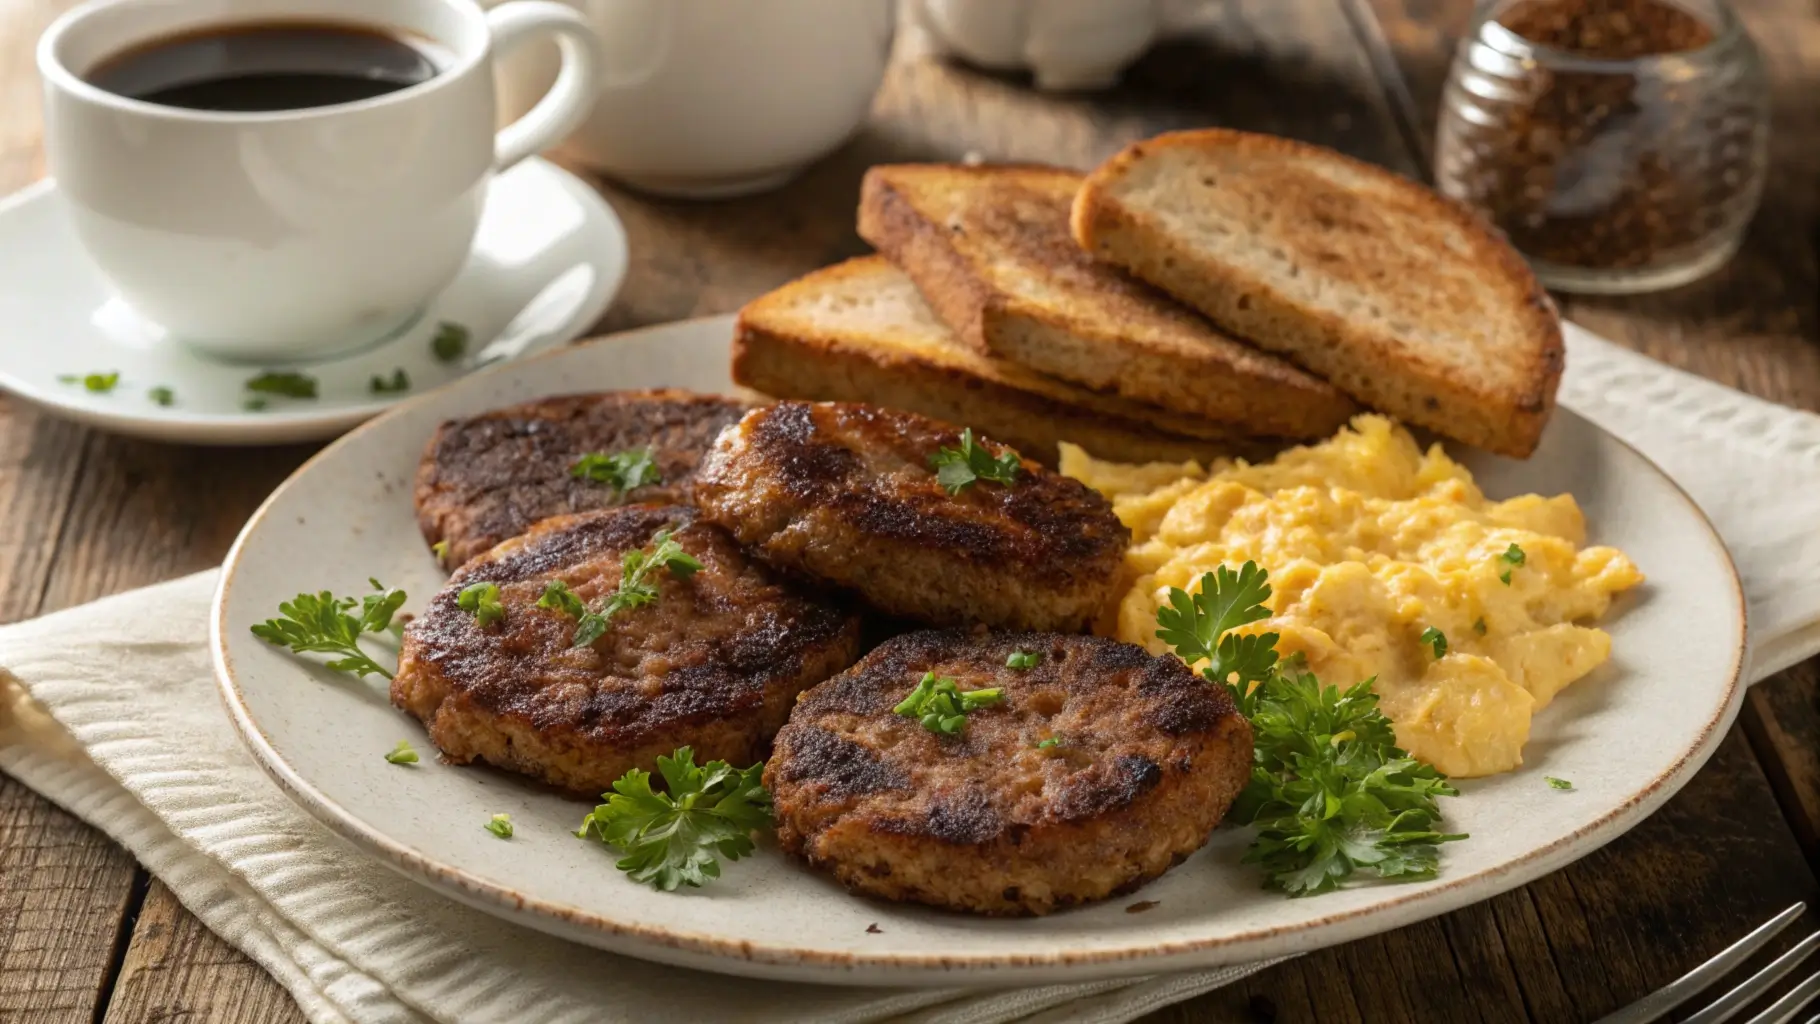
{"points": [[566, 105]]}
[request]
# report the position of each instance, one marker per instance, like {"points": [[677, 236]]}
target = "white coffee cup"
{"points": [[298, 233], [708, 98]]}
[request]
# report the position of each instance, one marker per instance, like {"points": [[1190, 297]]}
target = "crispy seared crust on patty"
{"points": [[1149, 759], [845, 493], [489, 477], [714, 663]]}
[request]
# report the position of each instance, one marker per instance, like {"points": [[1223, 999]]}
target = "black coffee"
{"points": [[265, 66]]}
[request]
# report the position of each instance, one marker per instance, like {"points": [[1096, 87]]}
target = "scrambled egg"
{"points": [[1369, 542]]}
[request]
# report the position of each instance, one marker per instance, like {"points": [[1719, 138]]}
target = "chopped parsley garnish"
{"points": [[402, 754], [100, 383], [440, 549], [449, 342], [1554, 783], [1330, 792], [622, 471], [958, 468], [399, 381], [483, 600], [1023, 660], [321, 623], [1478, 626], [636, 589], [286, 383], [1050, 743], [1437, 640], [671, 839], [161, 395], [942, 707], [501, 826], [1512, 557], [557, 595], [254, 404]]}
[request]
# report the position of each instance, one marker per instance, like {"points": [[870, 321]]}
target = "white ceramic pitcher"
{"points": [[707, 98]]}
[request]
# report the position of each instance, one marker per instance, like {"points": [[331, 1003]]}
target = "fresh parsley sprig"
{"points": [[1512, 557], [636, 588], [557, 595], [943, 707], [670, 839], [956, 469], [1199, 628], [622, 471], [1436, 641], [400, 381], [482, 601], [283, 382], [1330, 792], [100, 383], [321, 624], [449, 343]]}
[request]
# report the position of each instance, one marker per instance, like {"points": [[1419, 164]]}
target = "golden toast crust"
{"points": [[989, 248], [784, 349], [1497, 396]]}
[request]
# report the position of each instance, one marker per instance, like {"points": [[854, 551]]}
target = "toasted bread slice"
{"points": [[989, 249], [1400, 297], [859, 331]]}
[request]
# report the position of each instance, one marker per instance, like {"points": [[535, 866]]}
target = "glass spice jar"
{"points": [[1621, 145]]}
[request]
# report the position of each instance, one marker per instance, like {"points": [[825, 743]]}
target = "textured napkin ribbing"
{"points": [[127, 733]]}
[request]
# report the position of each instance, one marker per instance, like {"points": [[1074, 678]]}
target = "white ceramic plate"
{"points": [[548, 258], [1627, 737]]}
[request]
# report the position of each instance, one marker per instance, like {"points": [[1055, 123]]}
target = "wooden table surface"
{"points": [[86, 935]]}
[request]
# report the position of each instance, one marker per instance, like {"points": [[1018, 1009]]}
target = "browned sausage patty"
{"points": [[489, 477], [1147, 761], [714, 663], [845, 493]]}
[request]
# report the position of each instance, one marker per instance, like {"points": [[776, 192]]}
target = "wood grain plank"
{"points": [[141, 512], [1782, 716], [64, 891], [39, 461], [178, 970], [1487, 976], [64, 888]]}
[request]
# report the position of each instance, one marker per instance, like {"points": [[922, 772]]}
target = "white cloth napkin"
{"points": [[110, 711]]}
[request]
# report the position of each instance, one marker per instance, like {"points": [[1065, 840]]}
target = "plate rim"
{"points": [[707, 951], [289, 426]]}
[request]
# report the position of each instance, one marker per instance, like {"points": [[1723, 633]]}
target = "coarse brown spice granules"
{"points": [[1606, 167], [1608, 29]]}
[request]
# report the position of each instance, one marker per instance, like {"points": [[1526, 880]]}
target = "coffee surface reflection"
{"points": [[266, 66]]}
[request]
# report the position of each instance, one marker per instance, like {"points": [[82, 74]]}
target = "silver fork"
{"points": [[1727, 1006]]}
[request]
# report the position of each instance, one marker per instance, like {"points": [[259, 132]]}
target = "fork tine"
{"points": [[1783, 1010], [1728, 1005], [1695, 981]]}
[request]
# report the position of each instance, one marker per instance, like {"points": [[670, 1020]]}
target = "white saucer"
{"points": [[548, 259]]}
